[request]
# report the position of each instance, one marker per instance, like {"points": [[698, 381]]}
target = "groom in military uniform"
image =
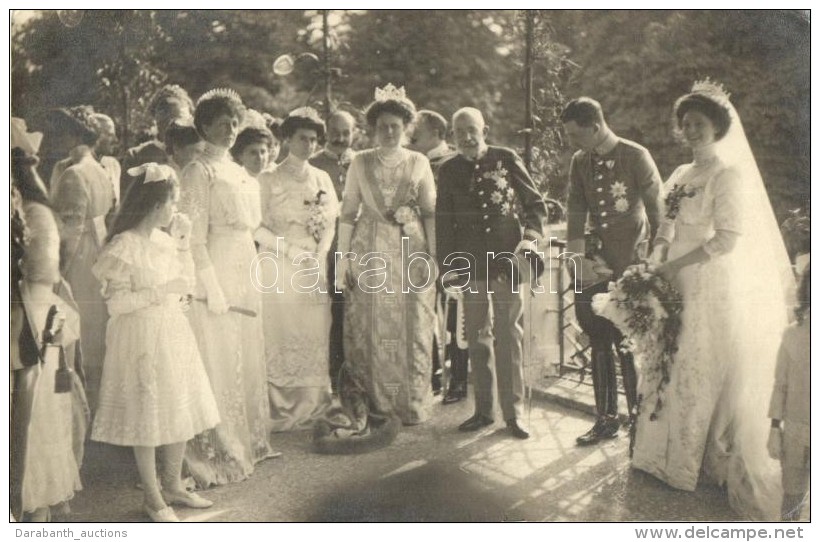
{"points": [[615, 184]]}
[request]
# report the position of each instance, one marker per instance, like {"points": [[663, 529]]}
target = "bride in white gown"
{"points": [[721, 247]]}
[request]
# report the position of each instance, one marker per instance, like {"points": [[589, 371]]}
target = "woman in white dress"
{"points": [[299, 209], [154, 391], [47, 432], [721, 247], [83, 197], [223, 203]]}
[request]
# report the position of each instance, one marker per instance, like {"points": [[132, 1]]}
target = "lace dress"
{"points": [[223, 203], [698, 428], [388, 327], [154, 389], [296, 313]]}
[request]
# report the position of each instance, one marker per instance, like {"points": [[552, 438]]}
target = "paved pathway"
{"points": [[430, 473]]}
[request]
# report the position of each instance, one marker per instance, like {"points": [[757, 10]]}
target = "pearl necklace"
{"points": [[392, 160]]}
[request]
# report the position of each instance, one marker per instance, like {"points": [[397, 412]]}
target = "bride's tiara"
{"points": [[712, 89], [220, 93], [390, 92]]}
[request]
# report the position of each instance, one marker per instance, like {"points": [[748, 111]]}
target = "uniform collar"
{"points": [[607, 145]]}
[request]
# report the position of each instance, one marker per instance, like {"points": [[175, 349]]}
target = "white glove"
{"points": [[265, 238], [213, 291], [659, 252], [180, 230]]}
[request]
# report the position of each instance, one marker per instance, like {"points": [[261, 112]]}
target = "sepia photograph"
{"points": [[410, 266]]}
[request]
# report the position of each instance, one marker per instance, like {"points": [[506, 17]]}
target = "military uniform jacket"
{"points": [[485, 206], [620, 193]]}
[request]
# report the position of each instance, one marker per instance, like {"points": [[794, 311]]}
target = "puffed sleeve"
{"points": [[113, 270], [727, 213], [352, 197], [195, 201], [41, 261]]}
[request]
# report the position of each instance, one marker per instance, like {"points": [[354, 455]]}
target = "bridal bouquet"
{"points": [[317, 218], [646, 308]]}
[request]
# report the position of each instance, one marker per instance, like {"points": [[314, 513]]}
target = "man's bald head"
{"points": [[470, 112], [469, 132]]}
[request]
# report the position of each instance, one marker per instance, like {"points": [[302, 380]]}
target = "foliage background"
{"points": [[635, 62]]}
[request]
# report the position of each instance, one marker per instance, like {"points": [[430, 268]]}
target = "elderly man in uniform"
{"points": [[614, 183], [334, 159], [483, 245]]}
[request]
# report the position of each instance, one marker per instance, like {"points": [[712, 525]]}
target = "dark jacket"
{"points": [[620, 194], [485, 207]]}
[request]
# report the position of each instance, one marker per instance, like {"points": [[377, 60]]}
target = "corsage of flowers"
{"points": [[646, 308], [317, 218], [406, 217], [674, 198]]}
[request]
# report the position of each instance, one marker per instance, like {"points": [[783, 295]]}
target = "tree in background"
{"points": [[635, 62], [638, 62]]}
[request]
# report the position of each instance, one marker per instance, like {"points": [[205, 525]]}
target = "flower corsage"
{"points": [[317, 217], [675, 197], [407, 218]]}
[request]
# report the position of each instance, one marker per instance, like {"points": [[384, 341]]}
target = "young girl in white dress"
{"points": [[154, 390]]}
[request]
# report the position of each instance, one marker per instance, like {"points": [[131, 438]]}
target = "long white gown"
{"points": [[223, 203], [296, 320], [713, 418]]}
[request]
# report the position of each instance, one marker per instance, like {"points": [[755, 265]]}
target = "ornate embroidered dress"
{"points": [[389, 334]]}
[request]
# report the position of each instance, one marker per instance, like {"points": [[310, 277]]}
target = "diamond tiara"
{"points": [[390, 92], [713, 89], [220, 93]]}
